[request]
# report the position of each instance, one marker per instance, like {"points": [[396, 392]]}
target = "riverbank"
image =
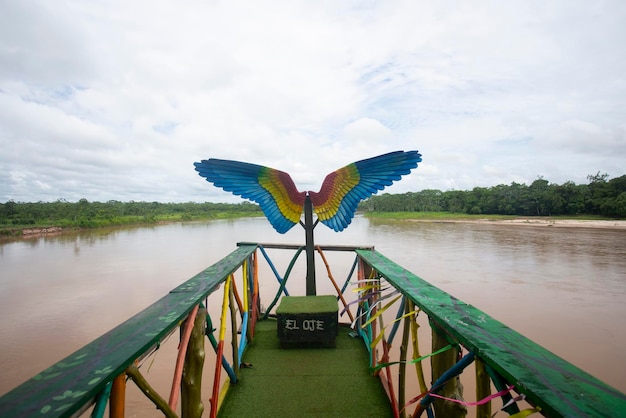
{"points": [[548, 222], [538, 221], [17, 233]]}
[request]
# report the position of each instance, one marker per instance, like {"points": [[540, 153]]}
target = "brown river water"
{"points": [[564, 288]]}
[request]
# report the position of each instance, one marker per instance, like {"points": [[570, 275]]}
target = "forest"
{"points": [[85, 214], [600, 197]]}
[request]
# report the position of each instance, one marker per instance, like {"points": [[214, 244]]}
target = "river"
{"points": [[561, 287]]}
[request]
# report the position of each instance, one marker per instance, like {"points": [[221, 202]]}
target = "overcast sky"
{"points": [[115, 100]]}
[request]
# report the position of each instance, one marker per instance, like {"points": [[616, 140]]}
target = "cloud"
{"points": [[116, 100]]}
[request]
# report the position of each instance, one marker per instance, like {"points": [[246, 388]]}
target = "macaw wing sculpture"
{"points": [[343, 189], [335, 203], [272, 189]]}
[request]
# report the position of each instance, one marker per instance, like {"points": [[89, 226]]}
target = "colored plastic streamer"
{"points": [[373, 306], [377, 340], [417, 360], [359, 300], [481, 402], [518, 398], [520, 414], [426, 397], [498, 381], [380, 311], [525, 413], [365, 288]]}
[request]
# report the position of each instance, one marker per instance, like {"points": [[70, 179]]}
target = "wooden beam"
{"points": [[453, 389], [133, 372], [117, 402], [483, 389], [191, 393]]}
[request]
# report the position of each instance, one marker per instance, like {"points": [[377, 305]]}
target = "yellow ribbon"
{"points": [[525, 413]]}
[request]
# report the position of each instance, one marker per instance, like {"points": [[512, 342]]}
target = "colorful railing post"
{"points": [[245, 314], [403, 355], [416, 352], [117, 403], [182, 351], [220, 348], [332, 280], [483, 389], [233, 327], [440, 364], [191, 390], [256, 301], [102, 400]]}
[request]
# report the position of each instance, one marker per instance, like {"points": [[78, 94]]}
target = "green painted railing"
{"points": [[549, 383], [73, 384], [503, 358]]}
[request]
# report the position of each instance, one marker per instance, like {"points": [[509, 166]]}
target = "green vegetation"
{"points": [[15, 216], [434, 216], [449, 216], [600, 198]]}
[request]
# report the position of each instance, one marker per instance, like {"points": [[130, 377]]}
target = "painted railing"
{"points": [[98, 372], [518, 368], [374, 288]]}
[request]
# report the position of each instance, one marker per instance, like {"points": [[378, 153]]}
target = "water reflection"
{"points": [[562, 287]]}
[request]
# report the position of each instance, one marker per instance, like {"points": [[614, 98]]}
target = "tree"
{"points": [[9, 209], [538, 195], [455, 201]]}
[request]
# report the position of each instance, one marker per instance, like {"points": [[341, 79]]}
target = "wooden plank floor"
{"points": [[305, 382]]}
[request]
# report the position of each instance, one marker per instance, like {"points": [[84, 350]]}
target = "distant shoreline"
{"points": [[35, 232], [539, 222]]}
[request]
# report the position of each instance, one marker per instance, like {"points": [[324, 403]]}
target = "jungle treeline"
{"points": [[600, 197], [86, 214]]}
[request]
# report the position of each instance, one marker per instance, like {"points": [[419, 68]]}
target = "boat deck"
{"points": [[305, 381]]}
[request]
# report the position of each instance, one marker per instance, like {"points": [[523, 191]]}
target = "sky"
{"points": [[115, 100]]}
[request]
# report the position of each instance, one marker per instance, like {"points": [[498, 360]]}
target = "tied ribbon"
{"points": [[416, 360], [480, 402], [375, 289], [520, 414], [380, 312], [525, 413], [374, 305]]}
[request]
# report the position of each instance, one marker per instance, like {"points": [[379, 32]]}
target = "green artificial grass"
{"points": [[305, 381], [307, 304]]}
